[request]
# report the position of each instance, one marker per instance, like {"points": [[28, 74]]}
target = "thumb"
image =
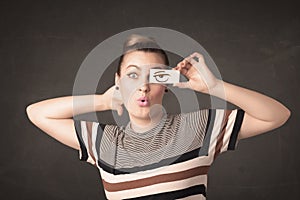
{"points": [[182, 84], [119, 110]]}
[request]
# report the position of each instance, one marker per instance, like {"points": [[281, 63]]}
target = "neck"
{"points": [[144, 124]]}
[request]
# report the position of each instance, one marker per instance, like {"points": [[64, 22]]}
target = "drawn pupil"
{"points": [[159, 77]]}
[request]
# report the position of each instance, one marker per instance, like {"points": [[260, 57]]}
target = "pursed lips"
{"points": [[143, 101]]}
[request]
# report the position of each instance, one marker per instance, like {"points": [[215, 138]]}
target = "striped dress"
{"points": [[170, 161]]}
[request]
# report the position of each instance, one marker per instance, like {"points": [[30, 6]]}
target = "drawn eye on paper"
{"points": [[163, 76]]}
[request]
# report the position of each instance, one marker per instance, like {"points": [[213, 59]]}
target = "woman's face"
{"points": [[138, 95]]}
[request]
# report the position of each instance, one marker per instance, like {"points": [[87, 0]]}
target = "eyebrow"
{"points": [[133, 66], [159, 72], [140, 68]]}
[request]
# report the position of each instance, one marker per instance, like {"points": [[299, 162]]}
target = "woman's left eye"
{"points": [[162, 77], [132, 75]]}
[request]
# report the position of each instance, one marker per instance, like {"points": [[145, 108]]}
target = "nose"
{"points": [[144, 88], [145, 84]]}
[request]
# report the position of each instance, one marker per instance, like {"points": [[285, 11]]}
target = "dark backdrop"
{"points": [[42, 44]]}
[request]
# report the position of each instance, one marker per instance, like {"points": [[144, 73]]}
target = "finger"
{"points": [[183, 71], [117, 96], [191, 60], [197, 54], [197, 57], [179, 65], [182, 63], [187, 64], [176, 68]]}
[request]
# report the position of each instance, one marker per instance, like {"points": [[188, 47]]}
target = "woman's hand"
{"points": [[200, 78], [113, 100]]}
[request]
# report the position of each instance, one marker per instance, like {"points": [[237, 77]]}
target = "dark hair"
{"points": [[141, 43]]}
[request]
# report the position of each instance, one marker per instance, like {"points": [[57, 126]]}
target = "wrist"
{"points": [[217, 89], [101, 103]]}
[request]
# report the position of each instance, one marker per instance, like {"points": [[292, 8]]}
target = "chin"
{"points": [[143, 114], [140, 112]]}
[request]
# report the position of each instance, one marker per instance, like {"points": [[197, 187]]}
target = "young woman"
{"points": [[157, 155]]}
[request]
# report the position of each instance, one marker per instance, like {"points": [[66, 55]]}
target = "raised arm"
{"points": [[55, 116], [262, 113]]}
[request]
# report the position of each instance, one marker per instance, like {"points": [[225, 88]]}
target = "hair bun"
{"points": [[139, 42]]}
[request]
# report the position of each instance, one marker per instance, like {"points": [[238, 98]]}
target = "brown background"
{"points": [[42, 44]]}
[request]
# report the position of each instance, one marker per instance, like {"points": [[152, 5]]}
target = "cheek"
{"points": [[129, 86], [127, 89], [157, 90]]}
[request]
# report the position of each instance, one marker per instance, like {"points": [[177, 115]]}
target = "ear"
{"points": [[117, 79]]}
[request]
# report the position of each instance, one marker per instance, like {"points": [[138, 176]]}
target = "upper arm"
{"points": [[62, 130], [252, 126]]}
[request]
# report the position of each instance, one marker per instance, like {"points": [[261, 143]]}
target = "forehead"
{"points": [[141, 58]]}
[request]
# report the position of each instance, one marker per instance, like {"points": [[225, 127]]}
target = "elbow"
{"points": [[31, 113], [288, 115], [285, 117]]}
